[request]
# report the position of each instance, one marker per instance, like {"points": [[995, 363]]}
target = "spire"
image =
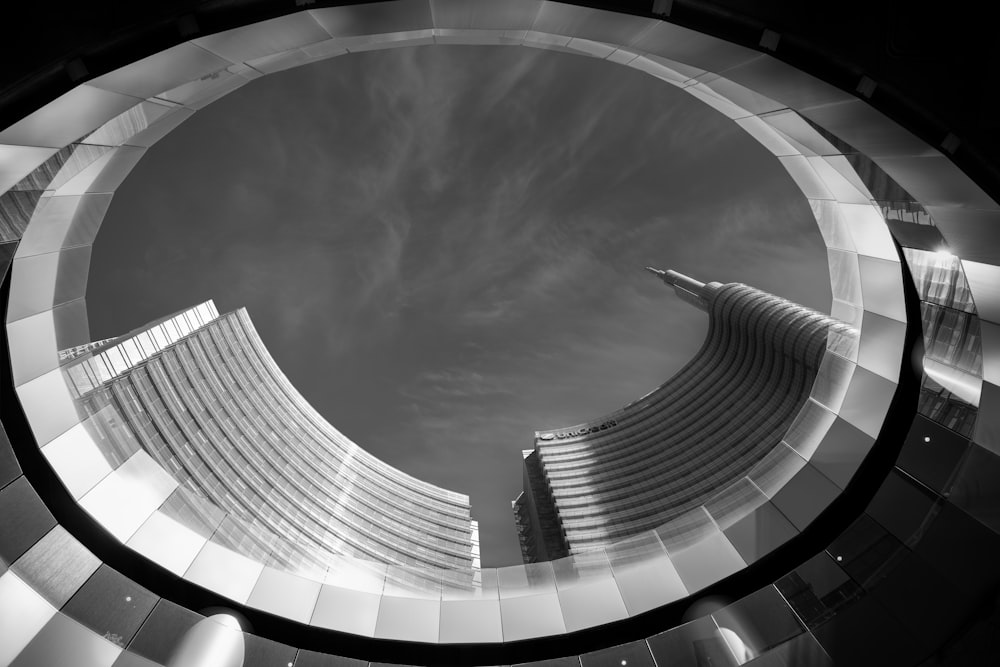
{"points": [[688, 289], [657, 272]]}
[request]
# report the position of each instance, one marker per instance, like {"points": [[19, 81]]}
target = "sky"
{"points": [[443, 247]]}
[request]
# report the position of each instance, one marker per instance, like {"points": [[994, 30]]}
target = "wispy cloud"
{"points": [[457, 383], [442, 247]]}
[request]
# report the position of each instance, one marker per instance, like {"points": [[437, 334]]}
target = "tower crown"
{"points": [[688, 289]]}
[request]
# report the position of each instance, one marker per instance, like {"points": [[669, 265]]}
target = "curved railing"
{"points": [[769, 99], [120, 114]]}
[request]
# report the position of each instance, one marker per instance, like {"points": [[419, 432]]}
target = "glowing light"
{"points": [[128, 598], [216, 641], [742, 652], [840, 558], [943, 253], [927, 438], [624, 662], [226, 621]]}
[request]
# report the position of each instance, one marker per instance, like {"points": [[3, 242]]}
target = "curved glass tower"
{"points": [[201, 394], [633, 470]]}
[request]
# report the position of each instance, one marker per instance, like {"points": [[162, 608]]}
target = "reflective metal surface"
{"points": [[216, 641], [529, 600]]}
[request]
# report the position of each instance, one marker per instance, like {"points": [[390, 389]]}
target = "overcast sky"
{"points": [[442, 247]]}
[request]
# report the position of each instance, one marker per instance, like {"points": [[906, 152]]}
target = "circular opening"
{"points": [[442, 247], [846, 221]]}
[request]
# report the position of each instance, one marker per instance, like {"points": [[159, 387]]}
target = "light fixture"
{"points": [[927, 438], [840, 558]]}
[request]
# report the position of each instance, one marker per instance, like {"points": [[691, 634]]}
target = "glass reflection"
{"points": [[756, 623], [866, 551], [952, 337], [693, 644], [939, 279], [817, 589], [953, 362]]}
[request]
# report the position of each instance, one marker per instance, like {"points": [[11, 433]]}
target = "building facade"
{"points": [[538, 529], [201, 394], [630, 471]]}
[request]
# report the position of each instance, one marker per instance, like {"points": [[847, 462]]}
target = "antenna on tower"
{"points": [[687, 288]]}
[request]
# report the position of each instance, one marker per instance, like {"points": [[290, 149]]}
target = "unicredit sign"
{"points": [[563, 435]]}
